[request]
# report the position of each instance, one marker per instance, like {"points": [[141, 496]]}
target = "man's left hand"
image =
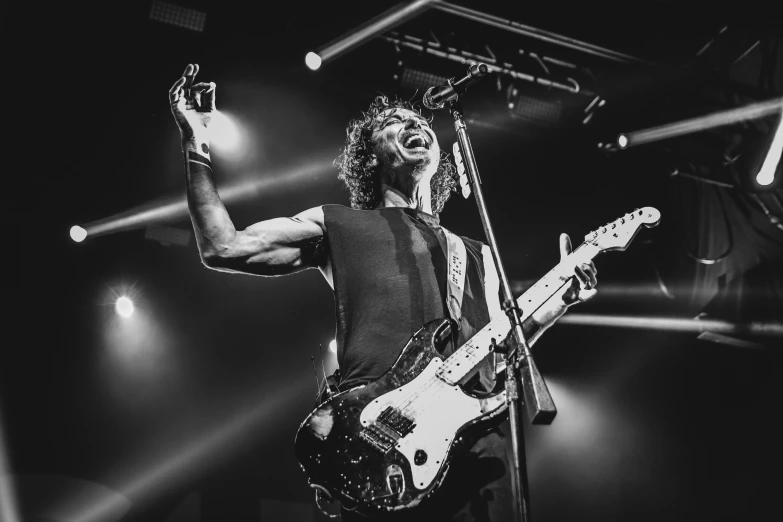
{"points": [[582, 287]]}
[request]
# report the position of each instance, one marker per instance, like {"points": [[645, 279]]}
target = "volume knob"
{"points": [[420, 457]]}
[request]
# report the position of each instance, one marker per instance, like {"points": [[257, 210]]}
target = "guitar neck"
{"points": [[464, 361]]}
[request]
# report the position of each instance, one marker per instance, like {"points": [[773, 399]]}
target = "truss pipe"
{"points": [[380, 24], [539, 34]]}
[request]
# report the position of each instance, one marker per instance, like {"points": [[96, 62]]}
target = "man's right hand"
{"points": [[193, 107]]}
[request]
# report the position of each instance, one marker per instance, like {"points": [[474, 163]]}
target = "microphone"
{"points": [[437, 96]]}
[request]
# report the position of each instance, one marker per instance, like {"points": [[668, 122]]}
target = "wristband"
{"points": [[195, 157]]}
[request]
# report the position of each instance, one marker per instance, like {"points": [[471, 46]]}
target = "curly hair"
{"points": [[361, 179]]}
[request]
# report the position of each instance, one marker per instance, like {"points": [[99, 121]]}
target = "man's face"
{"points": [[405, 144]]}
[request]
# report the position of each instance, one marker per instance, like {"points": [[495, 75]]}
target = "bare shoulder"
{"points": [[314, 216]]}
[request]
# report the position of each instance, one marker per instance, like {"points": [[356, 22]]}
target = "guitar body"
{"points": [[386, 445]]}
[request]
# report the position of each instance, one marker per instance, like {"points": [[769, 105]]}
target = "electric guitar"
{"points": [[386, 445]]}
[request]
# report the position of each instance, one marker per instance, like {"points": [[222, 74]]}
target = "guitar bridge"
{"points": [[378, 438], [390, 427]]}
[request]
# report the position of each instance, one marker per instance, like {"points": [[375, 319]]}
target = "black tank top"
{"points": [[389, 270]]}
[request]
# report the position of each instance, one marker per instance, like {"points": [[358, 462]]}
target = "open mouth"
{"points": [[415, 141]]}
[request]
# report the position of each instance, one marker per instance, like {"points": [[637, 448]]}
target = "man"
{"points": [[386, 262]]}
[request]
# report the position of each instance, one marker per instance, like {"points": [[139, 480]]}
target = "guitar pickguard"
{"points": [[437, 411]]}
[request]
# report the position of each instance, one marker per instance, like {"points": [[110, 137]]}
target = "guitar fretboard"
{"points": [[463, 361]]}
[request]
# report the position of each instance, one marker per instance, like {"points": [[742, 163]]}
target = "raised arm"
{"points": [[273, 247]]}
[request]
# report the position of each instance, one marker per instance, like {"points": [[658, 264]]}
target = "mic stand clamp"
{"points": [[540, 407]]}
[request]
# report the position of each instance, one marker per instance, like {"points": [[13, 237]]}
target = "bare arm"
{"points": [[273, 247]]}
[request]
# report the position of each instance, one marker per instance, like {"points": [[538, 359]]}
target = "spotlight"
{"points": [[333, 346], [622, 141], [124, 306], [225, 133], [313, 61], [78, 233]]}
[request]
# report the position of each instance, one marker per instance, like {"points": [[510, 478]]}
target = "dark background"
{"points": [[188, 411]]}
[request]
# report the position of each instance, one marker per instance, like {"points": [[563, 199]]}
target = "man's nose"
{"points": [[412, 123]]}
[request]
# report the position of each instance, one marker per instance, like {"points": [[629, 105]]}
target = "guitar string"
{"points": [[403, 405]]}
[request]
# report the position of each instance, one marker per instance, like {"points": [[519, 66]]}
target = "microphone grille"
{"points": [[429, 103]]}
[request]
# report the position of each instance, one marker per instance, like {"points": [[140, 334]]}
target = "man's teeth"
{"points": [[415, 141]]}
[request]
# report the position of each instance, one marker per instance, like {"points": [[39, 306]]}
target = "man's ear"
{"points": [[373, 161]]}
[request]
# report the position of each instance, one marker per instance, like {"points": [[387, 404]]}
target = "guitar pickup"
{"points": [[393, 420]]}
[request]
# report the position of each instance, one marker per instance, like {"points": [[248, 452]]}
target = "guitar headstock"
{"points": [[618, 234]]}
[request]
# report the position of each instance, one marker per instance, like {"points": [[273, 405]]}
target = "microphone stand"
{"points": [[540, 407]]}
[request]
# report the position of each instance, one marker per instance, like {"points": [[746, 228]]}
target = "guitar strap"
{"points": [[457, 258], [492, 295]]}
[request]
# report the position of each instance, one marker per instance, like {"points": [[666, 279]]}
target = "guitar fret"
{"points": [[470, 354]]}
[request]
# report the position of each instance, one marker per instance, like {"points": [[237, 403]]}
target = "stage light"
{"points": [[333, 346], [386, 21], [124, 306], [313, 61], [766, 174], [710, 121], [622, 141], [226, 134], [252, 185], [78, 233]]}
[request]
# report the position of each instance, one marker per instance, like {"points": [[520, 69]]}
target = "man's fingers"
{"points": [[584, 295], [190, 74], [175, 93], [565, 246], [586, 275], [584, 279], [208, 98], [196, 94], [592, 273]]}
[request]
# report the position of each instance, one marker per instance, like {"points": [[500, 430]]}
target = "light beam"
{"points": [[165, 466], [676, 324], [177, 207], [380, 24], [9, 511], [710, 121], [226, 135], [767, 173]]}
